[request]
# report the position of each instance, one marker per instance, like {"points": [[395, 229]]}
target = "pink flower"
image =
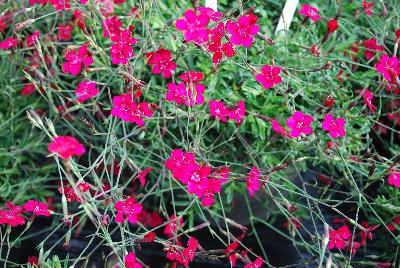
{"points": [[338, 238], [194, 26], [389, 67], [28, 89], [121, 51], [12, 216], [238, 113], [256, 264], [218, 109], [161, 61], [279, 129], [60, 4], [252, 180], [394, 178], [66, 146], [367, 6], [64, 32], [332, 26], [244, 30], [371, 48], [75, 61], [130, 261], [128, 209], [9, 43], [336, 127], [86, 90], [128, 110], [42, 2], [269, 76], [368, 97], [310, 12], [183, 256], [181, 164], [31, 39], [194, 182], [216, 47], [38, 208], [299, 123], [111, 26], [189, 92], [118, 1], [172, 227]]}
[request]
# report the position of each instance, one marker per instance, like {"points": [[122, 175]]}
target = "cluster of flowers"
{"points": [[200, 180], [130, 111], [181, 255], [299, 124], [188, 92], [218, 109], [12, 216]]}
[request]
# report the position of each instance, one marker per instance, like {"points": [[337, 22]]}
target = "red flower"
{"points": [[86, 90], [149, 237], [60, 4], [9, 43], [279, 129], [194, 26], [13, 216], [394, 178], [128, 209], [310, 12], [336, 127], [189, 92], [184, 256], [118, 1], [299, 123], [64, 32], [128, 110], [172, 227], [31, 39], [38, 208], [218, 109], [389, 67], [111, 26], [295, 222], [332, 25], [66, 146], [75, 61], [28, 89], [269, 76], [181, 165], [371, 47], [367, 234], [130, 259], [252, 180], [32, 260], [368, 97], [230, 253], [121, 51], [216, 47], [367, 6], [142, 175], [338, 238], [238, 113], [244, 30], [256, 264], [161, 61]]}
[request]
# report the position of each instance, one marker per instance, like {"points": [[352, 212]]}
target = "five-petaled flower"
{"points": [[371, 48], [66, 146], [299, 123], [335, 127], [128, 110], [243, 31], [338, 238], [75, 61], [38, 208], [121, 50], [269, 76], [310, 12], [394, 178], [189, 92], [162, 62], [194, 26], [12, 216], [128, 209], [389, 67]]}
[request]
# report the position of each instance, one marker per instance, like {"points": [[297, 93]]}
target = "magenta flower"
{"points": [[183, 256], [111, 26], [196, 179], [367, 6], [218, 109], [86, 90], [299, 123], [336, 127], [194, 26], [189, 92], [338, 238], [66, 146], [269, 76], [216, 47], [28, 89], [12, 216], [64, 32], [31, 39], [182, 165], [279, 129], [310, 12], [9, 43], [244, 30], [252, 181], [368, 97], [389, 67], [239, 112], [162, 62], [172, 227], [371, 48], [130, 111], [121, 51], [38, 208], [128, 209], [256, 264], [394, 178], [130, 261], [75, 61]]}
